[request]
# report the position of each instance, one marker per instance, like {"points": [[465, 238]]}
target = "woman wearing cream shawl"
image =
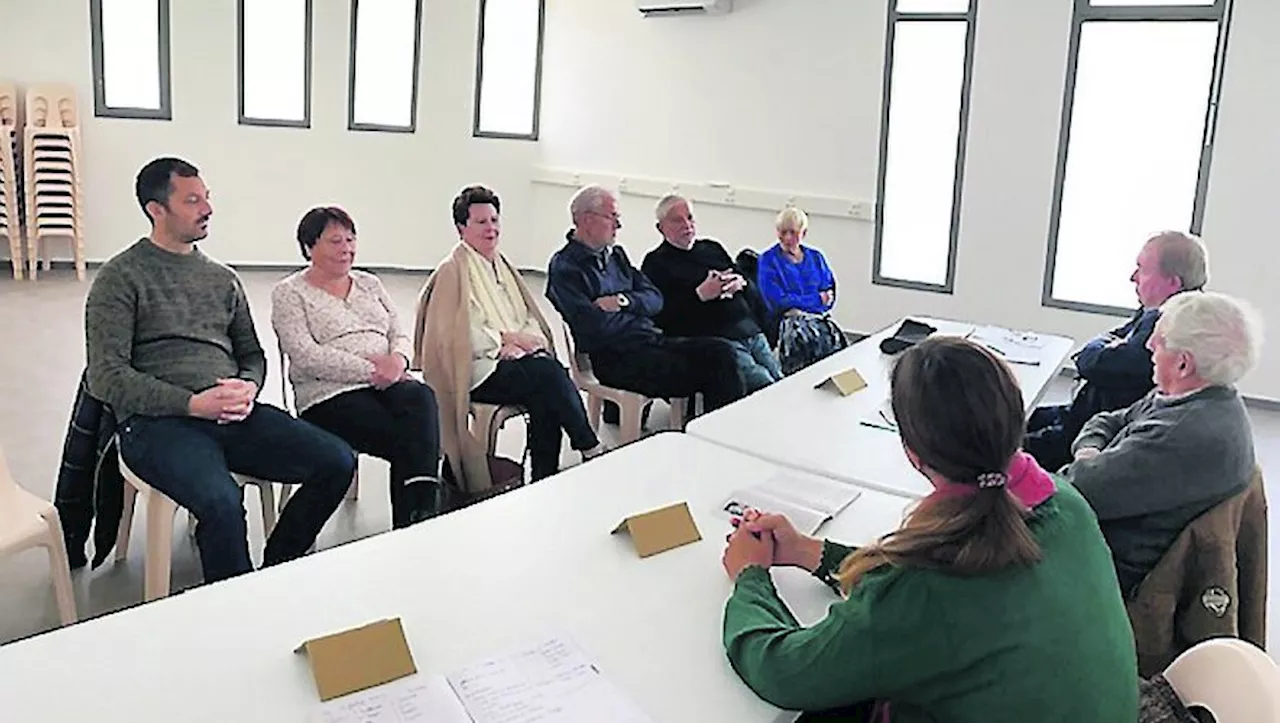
{"points": [[481, 338]]}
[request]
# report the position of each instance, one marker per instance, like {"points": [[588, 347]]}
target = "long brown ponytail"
{"points": [[959, 410]]}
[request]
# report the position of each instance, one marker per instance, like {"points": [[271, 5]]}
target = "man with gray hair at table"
{"points": [[609, 306], [1116, 366], [1151, 469]]}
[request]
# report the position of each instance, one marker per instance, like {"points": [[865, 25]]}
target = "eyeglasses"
{"points": [[615, 217]]}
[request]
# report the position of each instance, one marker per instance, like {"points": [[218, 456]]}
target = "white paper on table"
{"points": [[552, 682], [806, 501], [997, 335], [415, 699]]}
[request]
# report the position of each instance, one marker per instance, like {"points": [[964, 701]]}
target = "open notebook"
{"points": [[806, 501], [551, 682]]}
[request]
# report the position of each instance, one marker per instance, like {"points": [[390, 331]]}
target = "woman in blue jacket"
{"points": [[800, 291]]}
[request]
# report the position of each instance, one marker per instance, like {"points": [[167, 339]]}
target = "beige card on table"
{"points": [[660, 530], [358, 659], [846, 382]]}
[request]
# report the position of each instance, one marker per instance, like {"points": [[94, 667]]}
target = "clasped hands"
{"points": [[517, 344], [387, 370], [229, 401], [766, 540], [720, 285]]}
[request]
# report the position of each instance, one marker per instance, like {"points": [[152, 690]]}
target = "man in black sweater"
{"points": [[703, 295]]}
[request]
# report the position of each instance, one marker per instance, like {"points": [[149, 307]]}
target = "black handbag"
{"points": [[909, 334]]}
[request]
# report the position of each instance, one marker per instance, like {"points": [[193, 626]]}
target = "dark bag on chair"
{"points": [[805, 338], [506, 475]]}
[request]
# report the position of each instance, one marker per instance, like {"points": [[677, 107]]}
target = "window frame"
{"points": [[100, 107], [245, 120], [970, 18], [476, 131], [1083, 12], [352, 125]]}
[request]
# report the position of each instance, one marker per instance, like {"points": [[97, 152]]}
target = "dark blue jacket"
{"points": [[1114, 376], [578, 275]]}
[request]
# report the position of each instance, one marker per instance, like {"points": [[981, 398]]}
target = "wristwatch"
{"points": [[623, 301]]}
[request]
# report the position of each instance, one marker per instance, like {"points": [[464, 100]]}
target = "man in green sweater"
{"points": [[172, 350], [1151, 469]]}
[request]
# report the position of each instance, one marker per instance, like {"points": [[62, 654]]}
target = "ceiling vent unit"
{"points": [[652, 8]]}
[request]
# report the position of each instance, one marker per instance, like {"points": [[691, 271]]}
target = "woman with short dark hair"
{"points": [[348, 361], [481, 337], [994, 601]]}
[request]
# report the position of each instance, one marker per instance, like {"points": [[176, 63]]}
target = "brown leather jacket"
{"points": [[1211, 583]]}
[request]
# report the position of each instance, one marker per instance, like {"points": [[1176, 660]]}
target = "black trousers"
{"points": [[541, 385], [674, 368], [400, 424], [1050, 436]]}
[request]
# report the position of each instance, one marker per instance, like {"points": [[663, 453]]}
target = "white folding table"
{"points": [[526, 565], [797, 425]]}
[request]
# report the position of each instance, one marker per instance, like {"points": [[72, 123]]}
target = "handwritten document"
{"points": [[552, 682], [416, 699]]}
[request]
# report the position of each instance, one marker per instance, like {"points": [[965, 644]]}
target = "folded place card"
{"points": [[846, 382], [358, 659], [660, 530]]}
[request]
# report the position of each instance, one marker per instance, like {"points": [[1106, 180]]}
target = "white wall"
{"points": [[786, 95], [780, 94], [1242, 219], [397, 186]]}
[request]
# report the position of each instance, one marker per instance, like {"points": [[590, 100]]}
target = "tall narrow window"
{"points": [[275, 62], [1135, 142], [509, 68], [130, 58], [386, 38], [924, 119]]}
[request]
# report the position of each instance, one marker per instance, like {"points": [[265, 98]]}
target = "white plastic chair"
{"points": [[160, 511], [1233, 680], [28, 521], [489, 419], [630, 404]]}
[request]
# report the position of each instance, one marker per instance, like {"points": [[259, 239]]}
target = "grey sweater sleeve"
{"points": [[1118, 481], [109, 314], [1171, 455], [244, 341], [1102, 428]]}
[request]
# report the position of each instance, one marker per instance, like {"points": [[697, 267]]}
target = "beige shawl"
{"points": [[442, 350]]}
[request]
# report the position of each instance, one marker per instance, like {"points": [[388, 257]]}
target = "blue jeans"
{"points": [[190, 461], [756, 361]]}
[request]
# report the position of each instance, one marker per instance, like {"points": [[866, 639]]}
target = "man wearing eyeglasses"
{"points": [[609, 306]]}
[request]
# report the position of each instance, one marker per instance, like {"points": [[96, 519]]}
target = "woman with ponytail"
{"points": [[995, 601]]}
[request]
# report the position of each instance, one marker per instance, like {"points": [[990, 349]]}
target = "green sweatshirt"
{"points": [[1048, 643], [160, 326]]}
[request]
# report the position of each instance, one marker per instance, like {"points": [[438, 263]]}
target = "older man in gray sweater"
{"points": [[1151, 469]]}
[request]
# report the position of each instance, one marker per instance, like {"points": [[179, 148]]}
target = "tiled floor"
{"points": [[41, 326]]}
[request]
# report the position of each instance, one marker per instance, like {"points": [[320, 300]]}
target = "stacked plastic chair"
{"points": [[10, 216], [51, 154]]}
